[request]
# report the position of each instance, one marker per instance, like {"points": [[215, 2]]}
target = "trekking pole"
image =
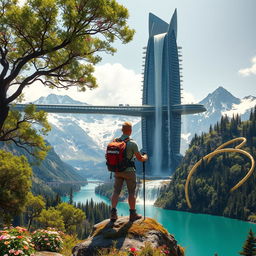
{"points": [[144, 190]]}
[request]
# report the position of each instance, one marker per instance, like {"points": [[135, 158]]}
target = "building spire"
{"points": [[173, 24], [157, 25]]}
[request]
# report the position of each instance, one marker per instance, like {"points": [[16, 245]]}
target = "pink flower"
{"points": [[48, 243], [46, 239], [2, 237]]}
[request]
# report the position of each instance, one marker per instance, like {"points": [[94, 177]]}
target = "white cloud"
{"points": [[117, 85], [188, 98], [249, 71]]}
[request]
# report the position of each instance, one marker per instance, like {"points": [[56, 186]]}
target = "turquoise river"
{"points": [[200, 234]]}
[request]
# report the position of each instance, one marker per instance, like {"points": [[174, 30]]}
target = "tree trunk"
{"points": [[4, 110], [30, 223]]}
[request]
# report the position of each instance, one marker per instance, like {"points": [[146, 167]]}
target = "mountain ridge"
{"points": [[80, 140]]}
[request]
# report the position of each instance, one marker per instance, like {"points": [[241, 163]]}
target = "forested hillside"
{"points": [[50, 175], [209, 188]]}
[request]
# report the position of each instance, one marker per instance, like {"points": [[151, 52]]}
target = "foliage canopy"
{"points": [[56, 43], [15, 184], [210, 186], [20, 129]]}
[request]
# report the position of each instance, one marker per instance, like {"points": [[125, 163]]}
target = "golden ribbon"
{"points": [[219, 150]]}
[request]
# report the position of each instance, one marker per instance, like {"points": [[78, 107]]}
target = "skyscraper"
{"points": [[161, 130]]}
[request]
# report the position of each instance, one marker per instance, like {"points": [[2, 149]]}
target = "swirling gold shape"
{"points": [[219, 150]]}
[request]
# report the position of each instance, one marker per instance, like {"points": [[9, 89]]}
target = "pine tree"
{"points": [[249, 248], [210, 129], [251, 115], [71, 201]]}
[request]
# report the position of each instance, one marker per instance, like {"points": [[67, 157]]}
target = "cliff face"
{"points": [[124, 234]]}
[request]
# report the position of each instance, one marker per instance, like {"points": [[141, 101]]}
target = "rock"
{"points": [[124, 234], [43, 253]]}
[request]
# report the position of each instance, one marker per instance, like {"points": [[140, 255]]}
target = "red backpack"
{"points": [[116, 155]]}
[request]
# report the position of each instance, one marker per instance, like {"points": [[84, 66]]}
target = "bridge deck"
{"points": [[114, 110]]}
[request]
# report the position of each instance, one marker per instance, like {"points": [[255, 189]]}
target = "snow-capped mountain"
{"points": [[58, 99], [218, 103], [81, 139], [243, 108]]}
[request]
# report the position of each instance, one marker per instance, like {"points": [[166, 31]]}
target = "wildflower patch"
{"points": [[16, 241], [47, 240]]}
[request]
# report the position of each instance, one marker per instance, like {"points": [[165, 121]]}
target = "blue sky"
{"points": [[219, 43], [218, 39]]}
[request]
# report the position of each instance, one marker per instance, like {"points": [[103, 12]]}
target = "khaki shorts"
{"points": [[129, 177]]}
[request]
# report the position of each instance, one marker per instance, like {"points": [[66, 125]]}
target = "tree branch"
{"points": [[17, 143], [5, 134], [33, 76], [4, 63]]}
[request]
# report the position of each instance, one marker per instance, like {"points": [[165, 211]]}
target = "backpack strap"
{"points": [[125, 140], [130, 162]]}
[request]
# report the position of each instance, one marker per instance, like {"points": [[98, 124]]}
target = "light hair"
{"points": [[126, 126]]}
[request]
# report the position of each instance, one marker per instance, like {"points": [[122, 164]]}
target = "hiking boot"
{"points": [[113, 216], [134, 216]]}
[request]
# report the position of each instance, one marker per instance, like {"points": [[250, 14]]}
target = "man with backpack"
{"points": [[125, 170]]}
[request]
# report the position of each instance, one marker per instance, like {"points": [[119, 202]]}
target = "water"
{"points": [[153, 188], [200, 234], [158, 52]]}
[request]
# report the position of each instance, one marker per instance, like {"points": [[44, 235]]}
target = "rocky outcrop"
{"points": [[124, 234]]}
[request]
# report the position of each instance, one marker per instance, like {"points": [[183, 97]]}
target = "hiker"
{"points": [[128, 174]]}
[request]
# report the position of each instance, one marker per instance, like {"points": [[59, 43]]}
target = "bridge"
{"points": [[143, 110], [161, 108]]}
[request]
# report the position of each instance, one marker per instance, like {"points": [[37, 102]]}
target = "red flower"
{"points": [[133, 250]]}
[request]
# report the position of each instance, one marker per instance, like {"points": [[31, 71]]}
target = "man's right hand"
{"points": [[141, 157]]}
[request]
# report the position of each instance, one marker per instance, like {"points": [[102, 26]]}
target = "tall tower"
{"points": [[161, 130]]}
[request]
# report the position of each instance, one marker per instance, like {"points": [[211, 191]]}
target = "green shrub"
{"points": [[47, 240]]}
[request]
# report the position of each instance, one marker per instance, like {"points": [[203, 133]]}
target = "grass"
{"points": [[138, 228], [70, 241], [147, 250]]}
